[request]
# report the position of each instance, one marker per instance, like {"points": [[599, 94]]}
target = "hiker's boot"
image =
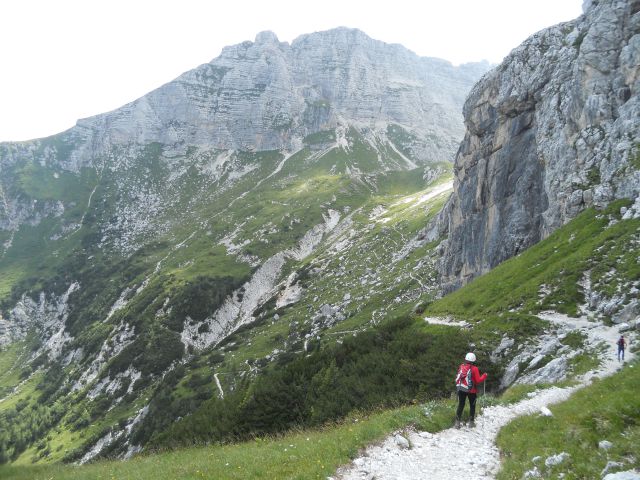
{"points": [[472, 424], [457, 424]]}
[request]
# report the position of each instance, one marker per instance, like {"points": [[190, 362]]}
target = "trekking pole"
{"points": [[484, 391]]}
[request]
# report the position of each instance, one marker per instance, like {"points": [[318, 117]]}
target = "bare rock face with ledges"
{"points": [[551, 131], [268, 95], [265, 95]]}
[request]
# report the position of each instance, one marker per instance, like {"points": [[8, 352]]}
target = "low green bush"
{"points": [[397, 362]]}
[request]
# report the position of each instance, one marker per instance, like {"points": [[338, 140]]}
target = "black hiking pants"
{"points": [[462, 396]]}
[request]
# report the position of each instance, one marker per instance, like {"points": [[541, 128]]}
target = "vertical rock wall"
{"points": [[552, 130]]}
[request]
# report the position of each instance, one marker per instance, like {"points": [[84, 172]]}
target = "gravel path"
{"points": [[439, 456]]}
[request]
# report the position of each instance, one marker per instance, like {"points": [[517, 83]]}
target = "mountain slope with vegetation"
{"points": [[165, 255], [243, 277], [259, 246], [402, 346]]}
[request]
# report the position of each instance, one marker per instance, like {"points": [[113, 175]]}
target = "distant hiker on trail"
{"points": [[466, 380], [622, 343]]}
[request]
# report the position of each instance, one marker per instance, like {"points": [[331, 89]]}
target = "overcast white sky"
{"points": [[63, 59]]}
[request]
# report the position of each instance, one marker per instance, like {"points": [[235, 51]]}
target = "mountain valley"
{"points": [[296, 234]]}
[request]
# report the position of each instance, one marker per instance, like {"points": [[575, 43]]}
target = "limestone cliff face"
{"points": [[552, 130], [263, 95], [267, 95]]}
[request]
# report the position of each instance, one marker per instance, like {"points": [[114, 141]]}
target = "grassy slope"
{"points": [[379, 244], [590, 233], [33, 253], [588, 243], [203, 212], [307, 454], [248, 348], [608, 410], [10, 362]]}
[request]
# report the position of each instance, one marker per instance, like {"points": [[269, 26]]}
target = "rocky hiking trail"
{"points": [[422, 455]]}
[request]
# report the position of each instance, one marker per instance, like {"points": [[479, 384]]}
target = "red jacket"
{"points": [[477, 378]]}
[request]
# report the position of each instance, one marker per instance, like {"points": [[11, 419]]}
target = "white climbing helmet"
{"points": [[470, 357]]}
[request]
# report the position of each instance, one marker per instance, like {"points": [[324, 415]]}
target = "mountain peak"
{"points": [[340, 34], [358, 79], [266, 36]]}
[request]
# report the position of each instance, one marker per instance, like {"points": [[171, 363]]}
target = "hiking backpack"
{"points": [[464, 378]]}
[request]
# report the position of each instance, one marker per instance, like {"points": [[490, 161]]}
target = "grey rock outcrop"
{"points": [[554, 460], [46, 316], [401, 441], [610, 466], [554, 371], [268, 95], [628, 313], [627, 475], [552, 130], [605, 445], [256, 96]]}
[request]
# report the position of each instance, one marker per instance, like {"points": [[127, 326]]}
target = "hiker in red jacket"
{"points": [[466, 380]]}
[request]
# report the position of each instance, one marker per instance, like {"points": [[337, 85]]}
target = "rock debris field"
{"points": [[439, 456]]}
